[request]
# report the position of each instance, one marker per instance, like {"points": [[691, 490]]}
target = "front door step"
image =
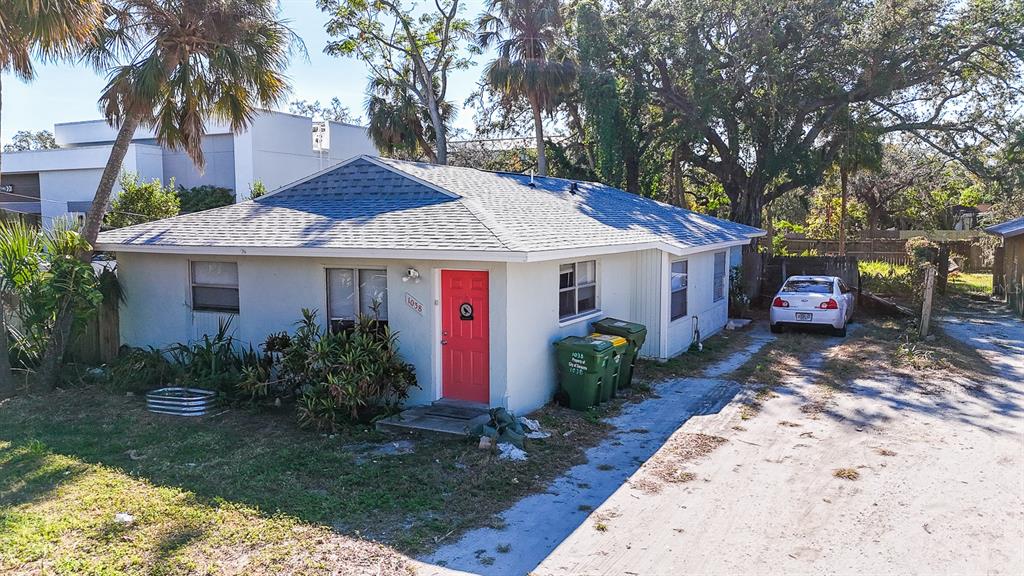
{"points": [[458, 409], [442, 417]]}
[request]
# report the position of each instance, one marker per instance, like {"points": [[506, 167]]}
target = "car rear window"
{"points": [[808, 286]]}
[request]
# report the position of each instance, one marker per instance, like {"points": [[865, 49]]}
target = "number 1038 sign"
{"points": [[413, 303]]}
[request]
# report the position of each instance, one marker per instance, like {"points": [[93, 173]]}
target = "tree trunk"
{"points": [[49, 367], [746, 208], [538, 133], [440, 133], [844, 194], [434, 109], [111, 172], [6, 378], [631, 160]]}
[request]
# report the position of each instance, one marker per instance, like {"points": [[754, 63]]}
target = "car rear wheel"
{"points": [[841, 332], [776, 329]]}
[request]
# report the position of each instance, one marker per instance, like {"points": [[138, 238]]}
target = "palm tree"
{"points": [[175, 63], [528, 36], [398, 125], [172, 65], [50, 30]]}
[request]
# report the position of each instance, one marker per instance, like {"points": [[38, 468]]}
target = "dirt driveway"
{"points": [[938, 488]]}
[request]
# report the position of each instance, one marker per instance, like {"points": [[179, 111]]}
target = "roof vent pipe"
{"points": [[574, 188], [532, 183]]}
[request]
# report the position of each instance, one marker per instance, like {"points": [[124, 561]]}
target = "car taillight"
{"points": [[829, 304], [780, 303]]}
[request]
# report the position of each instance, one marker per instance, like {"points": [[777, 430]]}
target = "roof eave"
{"points": [[420, 254], [380, 253]]}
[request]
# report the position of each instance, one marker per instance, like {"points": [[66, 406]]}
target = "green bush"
{"points": [[211, 363], [40, 272], [739, 302], [880, 277], [140, 202], [204, 197], [141, 370], [334, 376]]}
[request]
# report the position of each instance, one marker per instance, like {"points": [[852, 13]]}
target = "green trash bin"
{"points": [[583, 369], [635, 334], [616, 365]]}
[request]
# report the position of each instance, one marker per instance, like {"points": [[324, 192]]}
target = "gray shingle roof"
{"points": [[1007, 229], [378, 203]]}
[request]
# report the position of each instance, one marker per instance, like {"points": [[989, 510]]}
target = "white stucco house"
{"points": [[479, 272], [276, 148]]}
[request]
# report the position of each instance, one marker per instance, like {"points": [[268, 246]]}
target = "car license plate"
{"points": [[804, 316]]}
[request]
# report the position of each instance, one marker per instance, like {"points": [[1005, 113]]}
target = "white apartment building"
{"points": [[277, 149]]}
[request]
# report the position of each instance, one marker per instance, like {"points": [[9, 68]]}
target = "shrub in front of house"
{"points": [[334, 376], [211, 363]]}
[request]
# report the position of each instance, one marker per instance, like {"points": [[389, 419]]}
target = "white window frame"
{"points": [[718, 282], [193, 284], [575, 290], [357, 304], [685, 289]]}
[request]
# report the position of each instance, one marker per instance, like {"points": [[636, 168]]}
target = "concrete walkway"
{"points": [[536, 525]]}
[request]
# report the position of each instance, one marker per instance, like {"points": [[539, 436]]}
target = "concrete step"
{"points": [[446, 420]]}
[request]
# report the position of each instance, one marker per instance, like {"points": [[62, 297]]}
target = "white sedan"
{"points": [[813, 300]]}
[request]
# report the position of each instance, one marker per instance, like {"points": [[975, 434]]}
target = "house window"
{"points": [[215, 286], [577, 288], [719, 290], [679, 283], [352, 292]]}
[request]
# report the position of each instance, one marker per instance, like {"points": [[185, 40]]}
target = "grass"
{"points": [[883, 278], [242, 492], [970, 284], [692, 363]]}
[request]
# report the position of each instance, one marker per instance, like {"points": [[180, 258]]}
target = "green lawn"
{"points": [[247, 492], [973, 283], [241, 492]]}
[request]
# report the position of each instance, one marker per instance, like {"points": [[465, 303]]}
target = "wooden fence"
{"points": [[968, 253], [889, 250], [777, 268], [100, 341]]}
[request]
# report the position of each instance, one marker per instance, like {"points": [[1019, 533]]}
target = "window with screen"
{"points": [[215, 286], [352, 292], [719, 289], [679, 283], [577, 288]]}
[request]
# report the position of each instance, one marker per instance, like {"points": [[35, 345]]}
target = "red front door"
{"points": [[465, 336]]}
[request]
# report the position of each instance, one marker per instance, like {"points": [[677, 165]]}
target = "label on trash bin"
{"points": [[577, 363]]}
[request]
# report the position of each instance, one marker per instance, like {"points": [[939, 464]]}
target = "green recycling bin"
{"points": [[616, 365], [635, 334], [583, 369]]}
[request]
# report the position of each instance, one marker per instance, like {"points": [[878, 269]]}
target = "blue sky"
{"points": [[65, 93]]}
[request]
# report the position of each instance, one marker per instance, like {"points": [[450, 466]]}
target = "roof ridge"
{"points": [[487, 221], [474, 208]]}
